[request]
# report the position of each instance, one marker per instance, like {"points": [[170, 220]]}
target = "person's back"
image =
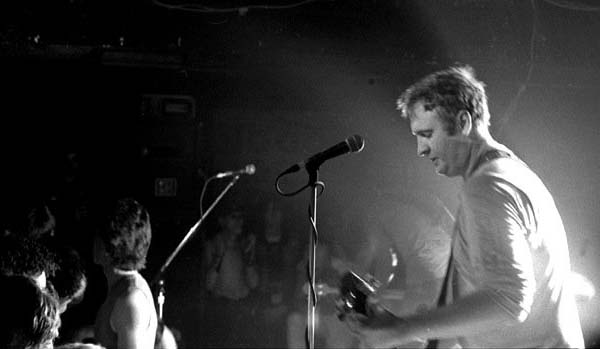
{"points": [[548, 316], [111, 312], [127, 319]]}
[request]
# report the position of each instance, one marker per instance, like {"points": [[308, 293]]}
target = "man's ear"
{"points": [[464, 122]]}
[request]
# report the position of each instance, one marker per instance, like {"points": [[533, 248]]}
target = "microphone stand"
{"points": [[158, 278], [314, 183]]}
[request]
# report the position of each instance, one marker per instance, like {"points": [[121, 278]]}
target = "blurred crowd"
{"points": [[71, 265]]}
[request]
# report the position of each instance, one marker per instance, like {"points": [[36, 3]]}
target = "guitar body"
{"points": [[354, 292]]}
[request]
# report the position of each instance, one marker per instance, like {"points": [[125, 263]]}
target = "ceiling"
{"points": [[228, 34]]}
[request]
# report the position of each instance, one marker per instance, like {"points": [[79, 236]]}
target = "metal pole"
{"points": [[193, 230], [312, 252]]}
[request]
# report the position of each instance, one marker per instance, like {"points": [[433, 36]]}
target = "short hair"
{"points": [[451, 90], [31, 317], [126, 234], [40, 222], [69, 280], [31, 219], [24, 256]]}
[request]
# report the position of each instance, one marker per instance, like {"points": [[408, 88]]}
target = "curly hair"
{"points": [[127, 234], [24, 256], [69, 281], [31, 218], [32, 317], [451, 90]]}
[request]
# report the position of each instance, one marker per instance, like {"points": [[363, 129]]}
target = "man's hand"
{"points": [[380, 328]]}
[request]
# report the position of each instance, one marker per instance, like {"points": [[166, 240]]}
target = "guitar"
{"points": [[351, 294], [354, 291]]}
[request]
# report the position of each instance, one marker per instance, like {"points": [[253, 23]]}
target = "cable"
{"points": [[202, 194], [318, 184], [199, 8], [571, 5], [512, 106]]}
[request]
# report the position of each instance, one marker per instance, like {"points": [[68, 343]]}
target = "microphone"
{"points": [[248, 169], [352, 144]]}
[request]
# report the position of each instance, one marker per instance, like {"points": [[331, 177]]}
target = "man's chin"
{"points": [[445, 171], [448, 174], [441, 170]]}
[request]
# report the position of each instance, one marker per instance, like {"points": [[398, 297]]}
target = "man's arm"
{"points": [[474, 314], [497, 236], [130, 319]]}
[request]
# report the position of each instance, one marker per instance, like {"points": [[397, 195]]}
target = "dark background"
{"points": [[273, 85]]}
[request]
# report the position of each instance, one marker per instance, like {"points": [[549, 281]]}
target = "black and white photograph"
{"points": [[300, 174]]}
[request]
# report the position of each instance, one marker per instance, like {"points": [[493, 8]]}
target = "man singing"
{"points": [[507, 278]]}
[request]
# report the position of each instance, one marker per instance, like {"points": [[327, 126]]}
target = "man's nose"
{"points": [[422, 148]]}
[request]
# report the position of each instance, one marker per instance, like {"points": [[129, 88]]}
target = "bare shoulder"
{"points": [[133, 297], [132, 309], [133, 318]]}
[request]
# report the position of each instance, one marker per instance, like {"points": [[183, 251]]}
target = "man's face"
{"points": [[447, 152], [234, 222]]}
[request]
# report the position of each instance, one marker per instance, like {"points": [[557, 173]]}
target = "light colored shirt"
{"points": [[231, 270], [509, 240]]}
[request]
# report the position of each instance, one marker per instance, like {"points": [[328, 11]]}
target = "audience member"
{"points": [[69, 280], [128, 318], [230, 256], [32, 219], [26, 257], [31, 318], [275, 264], [32, 230], [230, 259], [270, 251]]}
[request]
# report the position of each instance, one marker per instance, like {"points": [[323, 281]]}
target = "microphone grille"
{"points": [[250, 169], [356, 143]]}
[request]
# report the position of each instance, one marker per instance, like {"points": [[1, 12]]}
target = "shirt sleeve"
{"points": [[499, 220]]}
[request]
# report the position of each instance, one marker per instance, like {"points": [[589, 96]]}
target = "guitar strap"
{"points": [[487, 157]]}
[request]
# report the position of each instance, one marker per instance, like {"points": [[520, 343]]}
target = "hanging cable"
{"points": [[573, 5], [318, 184], [199, 8], [202, 194], [512, 106]]}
